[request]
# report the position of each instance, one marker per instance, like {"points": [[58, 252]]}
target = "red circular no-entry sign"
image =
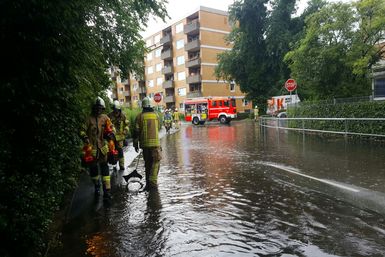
{"points": [[290, 85], [157, 97]]}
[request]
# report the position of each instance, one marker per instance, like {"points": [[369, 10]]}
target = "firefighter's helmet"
{"points": [[100, 102], [146, 102], [116, 105]]}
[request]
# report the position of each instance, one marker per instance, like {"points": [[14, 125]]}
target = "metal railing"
{"points": [[305, 125]]}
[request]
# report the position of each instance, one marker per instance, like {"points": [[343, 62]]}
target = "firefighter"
{"points": [[256, 113], [167, 121], [98, 129], [146, 136], [176, 119], [121, 126]]}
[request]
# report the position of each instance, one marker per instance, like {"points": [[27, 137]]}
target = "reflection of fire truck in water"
{"points": [[277, 105], [199, 110]]}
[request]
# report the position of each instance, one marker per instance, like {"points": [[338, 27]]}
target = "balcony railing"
{"points": [[194, 62], [166, 55], [191, 28], [168, 84], [193, 45], [194, 79], [169, 99], [167, 70], [165, 40], [194, 94], [126, 93]]}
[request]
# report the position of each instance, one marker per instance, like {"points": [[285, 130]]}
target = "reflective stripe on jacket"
{"points": [[147, 130]]}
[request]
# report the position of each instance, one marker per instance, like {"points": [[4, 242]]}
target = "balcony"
{"points": [[194, 94], [165, 40], [194, 79], [193, 62], [191, 28], [193, 45], [168, 84], [169, 99], [167, 70], [126, 93], [166, 55]]}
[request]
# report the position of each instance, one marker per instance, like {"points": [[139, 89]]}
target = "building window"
{"points": [[150, 83], [158, 52], [159, 81], [179, 28], [379, 87], [245, 102], [135, 87], [232, 86], [121, 89], [149, 56], [158, 67], [157, 39], [179, 44], [180, 60], [148, 42], [182, 91], [151, 95], [150, 70], [181, 106], [181, 75]]}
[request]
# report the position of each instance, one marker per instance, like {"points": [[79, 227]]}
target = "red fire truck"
{"points": [[201, 109]]}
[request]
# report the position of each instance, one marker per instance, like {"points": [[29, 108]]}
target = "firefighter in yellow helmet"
{"points": [[176, 119], [146, 136], [121, 126], [97, 129]]}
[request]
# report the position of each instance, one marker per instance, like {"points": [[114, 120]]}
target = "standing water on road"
{"points": [[239, 191]]}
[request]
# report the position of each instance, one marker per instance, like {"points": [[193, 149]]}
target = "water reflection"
{"points": [[217, 198]]}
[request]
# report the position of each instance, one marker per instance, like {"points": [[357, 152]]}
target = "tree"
{"points": [[260, 41], [338, 49], [56, 55], [246, 63]]}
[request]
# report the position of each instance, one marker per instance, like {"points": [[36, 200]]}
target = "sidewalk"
{"points": [[83, 198]]}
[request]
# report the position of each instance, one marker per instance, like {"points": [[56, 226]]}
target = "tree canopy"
{"points": [[260, 39], [341, 43], [55, 56], [329, 49]]}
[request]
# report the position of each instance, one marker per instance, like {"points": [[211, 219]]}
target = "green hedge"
{"points": [[373, 109]]}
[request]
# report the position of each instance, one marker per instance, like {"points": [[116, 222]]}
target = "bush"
{"points": [[373, 109]]}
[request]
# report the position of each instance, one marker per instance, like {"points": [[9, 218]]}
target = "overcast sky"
{"points": [[178, 9]]}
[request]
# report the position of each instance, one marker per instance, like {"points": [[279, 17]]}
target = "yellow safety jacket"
{"points": [[176, 116], [147, 130], [120, 123]]}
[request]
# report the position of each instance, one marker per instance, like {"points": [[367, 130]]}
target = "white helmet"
{"points": [[176, 109], [116, 105], [146, 102], [100, 102], [256, 107]]}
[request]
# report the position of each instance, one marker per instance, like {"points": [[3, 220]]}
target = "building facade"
{"points": [[182, 61]]}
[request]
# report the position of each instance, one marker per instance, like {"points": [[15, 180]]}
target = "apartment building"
{"points": [[182, 61]]}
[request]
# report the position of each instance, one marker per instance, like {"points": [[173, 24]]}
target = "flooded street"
{"points": [[238, 191]]}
